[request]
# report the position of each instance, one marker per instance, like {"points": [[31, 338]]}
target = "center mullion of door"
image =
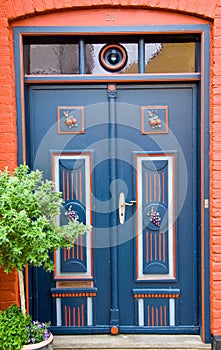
{"points": [[114, 311]]}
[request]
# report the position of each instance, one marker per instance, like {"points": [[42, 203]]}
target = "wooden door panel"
{"points": [[155, 165]]}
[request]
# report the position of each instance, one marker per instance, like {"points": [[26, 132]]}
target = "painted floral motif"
{"points": [[70, 120], [154, 120]]}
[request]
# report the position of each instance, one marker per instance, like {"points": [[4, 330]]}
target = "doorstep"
{"points": [[129, 342]]}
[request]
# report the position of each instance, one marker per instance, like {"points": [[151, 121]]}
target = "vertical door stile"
{"points": [[114, 314]]}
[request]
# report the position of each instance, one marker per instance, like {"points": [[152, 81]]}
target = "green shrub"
{"points": [[13, 332], [28, 230]]}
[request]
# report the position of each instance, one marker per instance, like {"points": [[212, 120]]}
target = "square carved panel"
{"points": [[70, 120], [154, 119]]}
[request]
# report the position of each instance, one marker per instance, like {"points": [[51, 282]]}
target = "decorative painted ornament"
{"points": [[71, 214], [154, 120], [154, 217], [69, 120]]}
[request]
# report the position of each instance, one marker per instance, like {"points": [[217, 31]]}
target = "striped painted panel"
{"points": [[155, 216], [73, 179]]}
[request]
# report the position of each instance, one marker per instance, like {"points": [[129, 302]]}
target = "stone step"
{"points": [[129, 342]]}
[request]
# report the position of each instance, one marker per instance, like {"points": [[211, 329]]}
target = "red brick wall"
{"points": [[8, 289], [10, 10]]}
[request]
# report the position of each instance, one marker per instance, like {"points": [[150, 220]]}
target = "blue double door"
{"points": [[125, 159]]}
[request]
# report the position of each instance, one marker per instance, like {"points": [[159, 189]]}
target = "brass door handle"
{"points": [[122, 206]]}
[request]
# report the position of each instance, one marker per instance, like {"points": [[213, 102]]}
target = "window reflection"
{"points": [[170, 57], [60, 55], [53, 59]]}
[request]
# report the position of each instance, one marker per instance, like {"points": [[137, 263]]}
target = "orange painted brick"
{"points": [[28, 6], [216, 231], [18, 6], [3, 22], [49, 4], [184, 5], [216, 137], [39, 5], [216, 256], [216, 239], [215, 250], [215, 212], [218, 147], [58, 4], [217, 277], [9, 8], [165, 4], [217, 184], [216, 303]]}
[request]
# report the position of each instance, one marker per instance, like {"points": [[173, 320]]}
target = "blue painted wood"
{"points": [[114, 311], [82, 60], [73, 306], [157, 291], [102, 254], [115, 29], [141, 55], [155, 201], [206, 232], [72, 185], [120, 116], [30, 79], [128, 114], [124, 329]]}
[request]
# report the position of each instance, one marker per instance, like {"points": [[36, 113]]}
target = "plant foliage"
{"points": [[28, 229], [13, 331]]}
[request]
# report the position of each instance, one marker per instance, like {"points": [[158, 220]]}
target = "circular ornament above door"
{"points": [[113, 57]]}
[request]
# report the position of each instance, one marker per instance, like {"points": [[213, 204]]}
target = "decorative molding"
{"points": [[156, 293], [73, 307], [161, 295], [73, 295], [157, 307]]}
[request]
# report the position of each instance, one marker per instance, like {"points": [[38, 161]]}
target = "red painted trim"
{"points": [[109, 17]]}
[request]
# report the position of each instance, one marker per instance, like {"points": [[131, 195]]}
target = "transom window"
{"points": [[124, 55]]}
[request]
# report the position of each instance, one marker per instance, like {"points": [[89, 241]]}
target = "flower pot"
{"points": [[43, 345]]}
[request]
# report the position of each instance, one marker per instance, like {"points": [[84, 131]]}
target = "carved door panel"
{"points": [[156, 125], [125, 159]]}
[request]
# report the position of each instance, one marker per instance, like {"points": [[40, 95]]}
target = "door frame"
{"points": [[203, 149]]}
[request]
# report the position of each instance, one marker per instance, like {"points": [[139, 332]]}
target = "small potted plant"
{"points": [[39, 336], [17, 329], [29, 232]]}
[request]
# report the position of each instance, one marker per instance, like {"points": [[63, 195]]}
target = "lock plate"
{"points": [[122, 208]]}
